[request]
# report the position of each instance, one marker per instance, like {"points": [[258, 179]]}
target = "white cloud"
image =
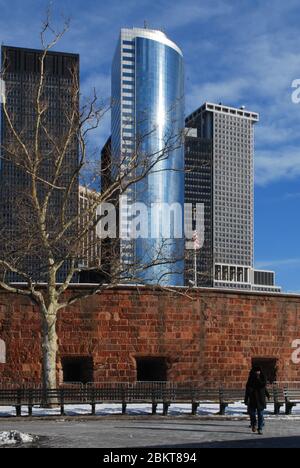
{"points": [[101, 82], [291, 196], [289, 262], [172, 15], [228, 92], [257, 72], [253, 64], [273, 134], [271, 166]]}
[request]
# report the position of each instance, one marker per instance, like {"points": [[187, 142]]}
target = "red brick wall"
{"points": [[210, 338]]}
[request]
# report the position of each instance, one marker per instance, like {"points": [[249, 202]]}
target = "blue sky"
{"points": [[239, 52]]}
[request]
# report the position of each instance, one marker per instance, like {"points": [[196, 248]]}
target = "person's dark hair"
{"points": [[252, 379]]}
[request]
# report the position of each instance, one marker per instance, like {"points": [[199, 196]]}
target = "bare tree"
{"points": [[50, 238]]}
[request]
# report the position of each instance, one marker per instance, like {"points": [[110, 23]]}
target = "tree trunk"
{"points": [[49, 347]]}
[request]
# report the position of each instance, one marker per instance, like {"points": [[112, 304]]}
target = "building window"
{"points": [[151, 369], [77, 369], [2, 352], [225, 273], [240, 275], [268, 367], [218, 274]]}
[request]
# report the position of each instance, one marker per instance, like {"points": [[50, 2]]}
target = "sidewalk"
{"points": [[152, 433]]}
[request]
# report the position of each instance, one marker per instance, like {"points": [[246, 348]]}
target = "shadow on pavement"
{"points": [[176, 429], [257, 442]]}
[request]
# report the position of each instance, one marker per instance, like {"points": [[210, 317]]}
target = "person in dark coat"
{"points": [[255, 398]]}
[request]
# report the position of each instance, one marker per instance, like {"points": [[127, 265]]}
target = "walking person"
{"points": [[255, 398]]}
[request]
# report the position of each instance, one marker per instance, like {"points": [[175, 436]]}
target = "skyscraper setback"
{"points": [[147, 121], [219, 159], [22, 75]]}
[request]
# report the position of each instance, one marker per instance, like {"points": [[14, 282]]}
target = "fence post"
{"points": [[195, 403], [30, 401], [124, 404], [223, 405], [165, 408], [154, 397], [166, 398], [195, 406], [44, 397], [19, 403], [93, 404], [277, 404], [154, 408], [62, 401]]}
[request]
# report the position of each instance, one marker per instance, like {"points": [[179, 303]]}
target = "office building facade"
{"points": [[21, 75], [225, 185], [147, 124], [90, 244]]}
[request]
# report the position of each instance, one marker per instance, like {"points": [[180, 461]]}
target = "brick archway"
{"points": [[2, 352]]}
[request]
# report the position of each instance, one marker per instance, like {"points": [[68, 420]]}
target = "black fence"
{"points": [[154, 393]]}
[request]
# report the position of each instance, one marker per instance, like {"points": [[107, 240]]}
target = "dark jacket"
{"points": [[256, 392]]}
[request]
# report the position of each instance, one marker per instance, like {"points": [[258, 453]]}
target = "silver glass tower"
{"points": [[147, 124]]}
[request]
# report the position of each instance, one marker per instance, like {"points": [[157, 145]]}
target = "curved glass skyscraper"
{"points": [[147, 125]]}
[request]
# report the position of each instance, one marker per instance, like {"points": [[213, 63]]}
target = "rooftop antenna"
{"points": [[145, 24]]}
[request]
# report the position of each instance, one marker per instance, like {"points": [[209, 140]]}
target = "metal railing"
{"points": [[124, 393]]}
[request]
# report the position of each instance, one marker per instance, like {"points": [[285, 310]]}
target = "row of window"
{"points": [[233, 120]]}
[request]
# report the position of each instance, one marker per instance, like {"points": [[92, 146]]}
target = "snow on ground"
{"points": [[16, 437], [234, 410]]}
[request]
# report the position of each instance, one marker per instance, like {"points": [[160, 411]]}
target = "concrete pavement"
{"points": [[159, 432]]}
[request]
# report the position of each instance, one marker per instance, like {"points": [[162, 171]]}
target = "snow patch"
{"points": [[237, 409], [16, 437]]}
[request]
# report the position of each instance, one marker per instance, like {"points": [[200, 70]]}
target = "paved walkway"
{"points": [[157, 432]]}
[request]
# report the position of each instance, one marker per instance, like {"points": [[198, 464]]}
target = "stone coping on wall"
{"points": [[174, 289]]}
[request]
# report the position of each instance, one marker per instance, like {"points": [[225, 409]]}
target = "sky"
{"points": [[238, 52]]}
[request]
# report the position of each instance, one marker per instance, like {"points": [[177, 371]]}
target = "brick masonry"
{"points": [[210, 337]]}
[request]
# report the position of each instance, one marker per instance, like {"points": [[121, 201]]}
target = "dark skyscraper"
{"points": [[21, 72], [199, 189], [106, 163]]}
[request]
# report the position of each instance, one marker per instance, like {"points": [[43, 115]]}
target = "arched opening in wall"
{"points": [[268, 367], [151, 369], [77, 369], [2, 352]]}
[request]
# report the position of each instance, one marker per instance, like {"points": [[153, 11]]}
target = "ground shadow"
{"points": [[256, 442], [176, 429]]}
